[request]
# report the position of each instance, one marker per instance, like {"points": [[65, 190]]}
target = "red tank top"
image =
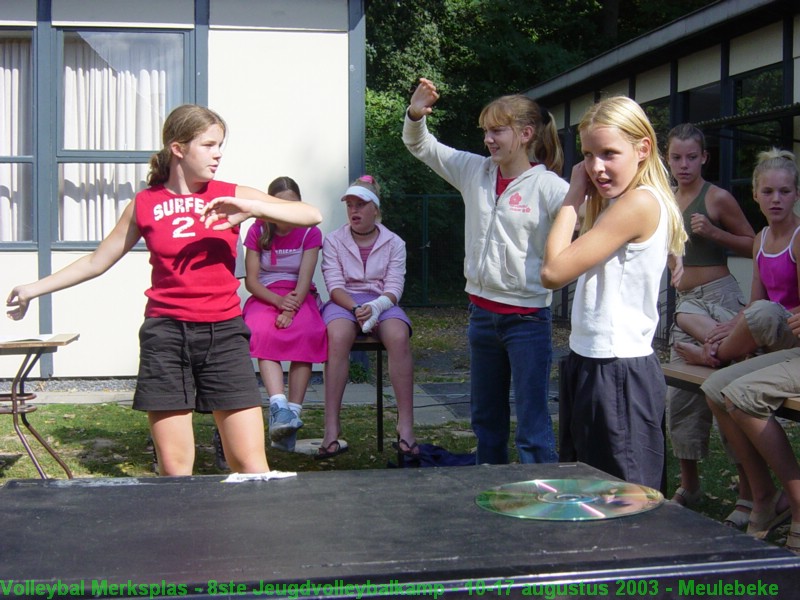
{"points": [[193, 267]]}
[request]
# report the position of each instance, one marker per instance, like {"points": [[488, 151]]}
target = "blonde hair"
{"points": [[775, 158], [182, 125], [518, 111], [627, 117]]}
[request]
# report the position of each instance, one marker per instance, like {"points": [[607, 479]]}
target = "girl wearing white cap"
{"points": [[364, 266]]}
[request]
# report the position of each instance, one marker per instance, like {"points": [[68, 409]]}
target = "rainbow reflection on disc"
{"points": [[569, 499]]}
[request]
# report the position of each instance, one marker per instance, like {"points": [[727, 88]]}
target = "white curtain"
{"points": [[118, 88], [16, 206]]}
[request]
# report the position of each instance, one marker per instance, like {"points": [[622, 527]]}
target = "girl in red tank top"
{"points": [[194, 352]]}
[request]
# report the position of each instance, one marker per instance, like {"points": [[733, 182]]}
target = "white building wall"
{"points": [[141, 13], [17, 268], [285, 117], [652, 84], [557, 114], [618, 88], [106, 312], [756, 49], [18, 12], [279, 75], [698, 69], [579, 106]]}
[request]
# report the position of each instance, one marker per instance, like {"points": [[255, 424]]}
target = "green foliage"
{"points": [[476, 50], [387, 157], [357, 373]]}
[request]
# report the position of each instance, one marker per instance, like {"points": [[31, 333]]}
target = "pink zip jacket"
{"points": [[342, 267]]}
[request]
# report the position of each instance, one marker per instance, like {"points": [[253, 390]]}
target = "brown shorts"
{"points": [[195, 366], [757, 386]]}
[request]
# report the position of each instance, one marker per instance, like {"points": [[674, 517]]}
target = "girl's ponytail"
{"points": [[547, 145]]}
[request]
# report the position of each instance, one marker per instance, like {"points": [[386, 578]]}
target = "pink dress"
{"points": [[305, 340]]}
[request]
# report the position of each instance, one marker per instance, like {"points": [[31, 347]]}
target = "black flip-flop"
{"points": [[326, 452], [410, 448]]}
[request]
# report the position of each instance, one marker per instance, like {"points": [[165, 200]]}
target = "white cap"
{"points": [[363, 193]]}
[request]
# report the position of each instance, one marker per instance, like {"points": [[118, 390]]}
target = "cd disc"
{"points": [[569, 499]]}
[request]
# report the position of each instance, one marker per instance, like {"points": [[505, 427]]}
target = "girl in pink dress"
{"points": [[283, 313]]}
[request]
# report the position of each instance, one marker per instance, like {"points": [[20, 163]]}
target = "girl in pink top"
{"points": [[776, 276], [364, 265], [283, 312]]}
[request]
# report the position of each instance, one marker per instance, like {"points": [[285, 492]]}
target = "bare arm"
{"points": [[307, 266], [291, 302], [250, 202], [757, 289], [736, 234], [757, 292], [796, 255], [632, 218], [252, 263], [343, 299], [121, 239]]}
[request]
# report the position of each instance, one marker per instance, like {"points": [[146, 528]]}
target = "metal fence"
{"points": [[432, 226]]}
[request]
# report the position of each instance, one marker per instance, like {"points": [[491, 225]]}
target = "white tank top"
{"points": [[615, 309]]}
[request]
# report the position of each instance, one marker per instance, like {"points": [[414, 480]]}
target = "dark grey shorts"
{"points": [[196, 366], [612, 411]]}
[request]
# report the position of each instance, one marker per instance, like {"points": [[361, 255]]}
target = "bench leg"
{"points": [[379, 396]]}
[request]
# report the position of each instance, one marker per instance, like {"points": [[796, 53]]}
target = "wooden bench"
{"points": [[691, 377]]}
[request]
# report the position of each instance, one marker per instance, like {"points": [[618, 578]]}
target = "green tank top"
{"points": [[700, 251]]}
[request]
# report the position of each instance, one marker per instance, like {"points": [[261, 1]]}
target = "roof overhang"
{"points": [[701, 29]]}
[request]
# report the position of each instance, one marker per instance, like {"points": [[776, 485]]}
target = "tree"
{"points": [[476, 50]]}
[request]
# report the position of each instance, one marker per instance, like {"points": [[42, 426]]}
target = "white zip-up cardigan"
{"points": [[504, 237]]}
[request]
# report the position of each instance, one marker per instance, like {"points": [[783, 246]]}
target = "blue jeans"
{"points": [[506, 348]]}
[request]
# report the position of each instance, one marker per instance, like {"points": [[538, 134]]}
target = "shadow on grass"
{"points": [[111, 440]]}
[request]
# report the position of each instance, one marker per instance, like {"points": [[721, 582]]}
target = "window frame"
{"points": [[26, 159], [66, 156]]}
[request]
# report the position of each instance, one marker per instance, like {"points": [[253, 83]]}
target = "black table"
{"points": [[328, 530]]}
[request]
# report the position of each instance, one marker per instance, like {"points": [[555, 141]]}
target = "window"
{"points": [[16, 137], [117, 89], [658, 113], [704, 103], [701, 105], [756, 91]]}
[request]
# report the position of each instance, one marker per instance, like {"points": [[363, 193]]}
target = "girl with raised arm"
{"points": [[510, 198]]}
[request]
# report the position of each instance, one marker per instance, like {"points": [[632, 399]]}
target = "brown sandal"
{"points": [[793, 539], [761, 524], [738, 519]]}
